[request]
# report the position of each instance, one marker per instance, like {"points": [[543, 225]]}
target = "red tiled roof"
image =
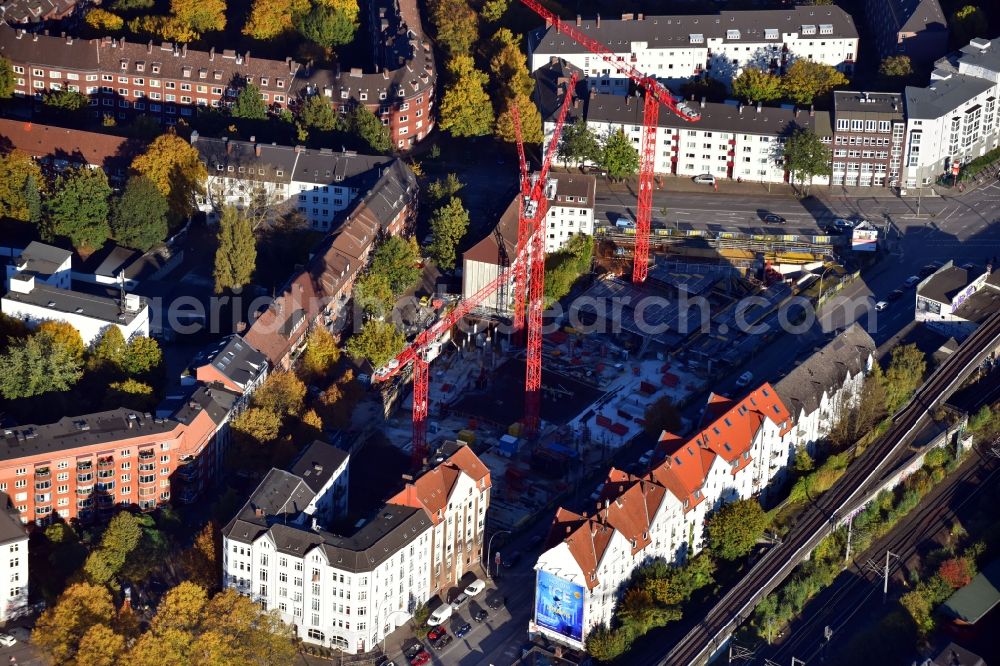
{"points": [[76, 146], [431, 490]]}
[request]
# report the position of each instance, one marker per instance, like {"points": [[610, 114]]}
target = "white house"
{"points": [[954, 118], [676, 48], [571, 207], [955, 300], [271, 180], [350, 590], [13, 561], [49, 265]]}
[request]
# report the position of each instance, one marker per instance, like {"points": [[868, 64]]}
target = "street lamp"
{"points": [[822, 275], [489, 551]]}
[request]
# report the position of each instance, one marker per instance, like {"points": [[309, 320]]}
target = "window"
{"points": [[825, 29], [808, 30], [695, 38], [732, 34]]}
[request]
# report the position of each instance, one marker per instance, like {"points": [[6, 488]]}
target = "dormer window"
{"points": [[808, 30], [140, 66], [697, 38], [124, 65], [263, 81], [825, 29], [732, 34], [770, 33]]}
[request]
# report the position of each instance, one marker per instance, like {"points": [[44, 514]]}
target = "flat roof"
{"points": [[72, 432], [76, 303]]}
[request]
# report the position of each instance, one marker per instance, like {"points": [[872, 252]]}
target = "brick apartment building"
{"points": [[84, 466], [868, 139], [169, 81]]}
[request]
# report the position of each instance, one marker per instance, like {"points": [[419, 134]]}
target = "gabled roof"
{"points": [[488, 249], [235, 359], [432, 489], [317, 464], [112, 153]]}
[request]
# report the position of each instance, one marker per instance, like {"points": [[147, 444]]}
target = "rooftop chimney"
{"points": [[703, 101], [256, 150], [812, 111], [579, 20], [149, 46], [211, 54], [741, 108], [758, 107], [598, 21], [184, 51], [194, 136]]}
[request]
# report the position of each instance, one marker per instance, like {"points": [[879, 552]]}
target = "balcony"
{"points": [[84, 465], [106, 463], [85, 491], [42, 473], [188, 472], [147, 455]]}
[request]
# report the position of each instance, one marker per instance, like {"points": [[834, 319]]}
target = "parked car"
{"points": [[881, 305], [463, 630], [7, 640], [512, 559], [912, 281], [459, 601], [474, 588], [384, 661], [496, 602], [895, 295], [440, 615], [442, 642], [929, 269], [771, 218], [842, 224], [480, 615], [744, 379], [436, 633], [705, 179], [411, 651], [420, 658]]}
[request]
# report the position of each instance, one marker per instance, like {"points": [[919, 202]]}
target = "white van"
{"points": [[440, 615]]}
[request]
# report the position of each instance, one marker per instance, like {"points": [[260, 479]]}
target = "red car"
{"points": [[420, 658], [436, 633]]}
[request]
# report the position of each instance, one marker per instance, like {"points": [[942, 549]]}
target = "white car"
{"points": [[440, 615], [7, 640], [705, 179], [474, 588], [881, 305], [744, 379]]}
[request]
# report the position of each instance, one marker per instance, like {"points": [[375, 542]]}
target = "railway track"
{"points": [[821, 517]]}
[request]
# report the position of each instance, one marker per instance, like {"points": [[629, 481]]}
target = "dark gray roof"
{"points": [[71, 432], [955, 655], [978, 52], [942, 96], [574, 185], [346, 169], [225, 152], [317, 463], [913, 15], [11, 527], [392, 529], [22, 12], [675, 31], [235, 359], [825, 370], [395, 188], [215, 400], [979, 305], [42, 259], [944, 284], [878, 105], [75, 302]]}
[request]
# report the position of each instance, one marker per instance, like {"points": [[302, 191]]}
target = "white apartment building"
{"points": [[350, 591], [318, 184], [13, 561], [676, 48], [955, 118], [51, 266], [742, 449], [731, 141], [571, 208]]}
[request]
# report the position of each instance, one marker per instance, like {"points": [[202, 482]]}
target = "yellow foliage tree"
{"points": [[175, 168], [261, 425], [806, 80], [321, 353], [60, 628], [65, 334], [270, 18], [510, 66], [103, 20], [100, 646], [17, 173], [200, 16], [281, 393], [531, 120]]}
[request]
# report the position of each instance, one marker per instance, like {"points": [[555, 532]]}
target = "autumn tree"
{"points": [[100, 646], [60, 628], [282, 393], [444, 188], [373, 294], [967, 23], [103, 20], [139, 215], [109, 350], [734, 529], [662, 416], [142, 355], [17, 170], [7, 79], [236, 254], [201, 559], [755, 85], [328, 25], [318, 113], [36, 365], [904, 374], [897, 66], [270, 18], [805, 80], [531, 120], [321, 354], [200, 16], [618, 156], [466, 109], [578, 144], [806, 157], [131, 394], [448, 226], [396, 259], [249, 105], [378, 342], [78, 208], [175, 167], [493, 10], [63, 333], [509, 65], [368, 127], [457, 25], [259, 425]]}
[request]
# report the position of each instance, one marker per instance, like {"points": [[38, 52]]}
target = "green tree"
{"points": [[448, 225], [373, 293], [904, 374], [60, 628], [142, 355], [805, 80], [564, 266], [579, 144], [457, 25], [33, 199], [378, 342], [966, 23], [803, 461], [7, 78], [139, 215], [236, 255], [397, 259], [444, 188], [806, 157], [755, 85], [465, 108], [78, 208], [37, 365], [109, 351], [366, 125], [249, 104], [618, 156], [735, 528], [605, 644], [662, 416], [66, 102], [17, 171], [898, 66], [325, 25], [531, 121], [318, 113]]}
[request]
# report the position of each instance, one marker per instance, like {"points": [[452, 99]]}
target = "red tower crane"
{"points": [[655, 95], [531, 247]]}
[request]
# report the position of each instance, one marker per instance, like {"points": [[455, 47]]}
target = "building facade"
{"points": [[13, 561], [867, 139], [914, 28], [955, 118], [677, 48], [85, 467], [350, 590]]}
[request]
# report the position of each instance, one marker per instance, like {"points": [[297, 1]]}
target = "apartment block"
{"points": [[914, 28], [349, 589], [676, 48], [13, 562], [233, 363], [868, 139], [85, 467], [33, 12], [954, 118]]}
